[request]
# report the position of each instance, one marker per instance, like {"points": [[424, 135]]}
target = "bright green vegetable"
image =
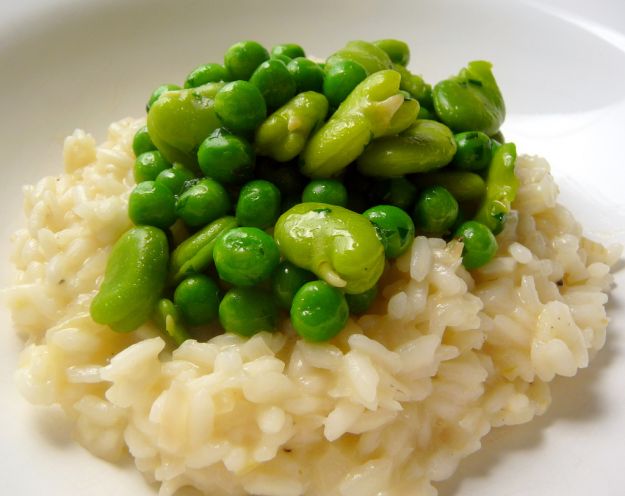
{"points": [[180, 120], [375, 108], [394, 227], [319, 311], [435, 211], [330, 191], [340, 80], [308, 76], [275, 83], [501, 188], [480, 244], [169, 321], [226, 158], [397, 50], [473, 151], [195, 253], [174, 178], [133, 281], [258, 204], [197, 298], [285, 132], [338, 245], [424, 146], [156, 94], [286, 281], [240, 106], [470, 101], [152, 204], [291, 50], [149, 165], [142, 142], [242, 59], [360, 303], [245, 256], [464, 186], [206, 73], [203, 202], [415, 86], [371, 57], [247, 311]]}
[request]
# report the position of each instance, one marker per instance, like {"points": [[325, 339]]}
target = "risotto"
{"points": [[389, 407]]}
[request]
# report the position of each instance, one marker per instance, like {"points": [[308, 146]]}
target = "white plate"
{"points": [[561, 65]]}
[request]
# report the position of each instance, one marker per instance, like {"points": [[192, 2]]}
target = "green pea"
{"points": [[330, 191], [464, 186], [195, 254], [361, 302], [473, 151], [174, 178], [397, 50], [142, 142], [206, 73], [169, 321], [308, 76], [284, 133], [275, 83], [291, 50], [197, 298], [470, 101], [203, 203], [240, 106], [435, 211], [152, 204], [247, 311], [226, 158], [180, 120], [480, 244], [319, 311], [394, 227], [340, 80], [371, 57], [338, 245], [258, 204], [156, 94], [397, 191], [287, 279], [373, 109], [424, 146], [134, 279], [148, 165], [245, 256], [242, 59]]}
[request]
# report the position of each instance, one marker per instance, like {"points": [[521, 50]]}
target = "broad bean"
{"points": [[338, 245], [135, 276]]}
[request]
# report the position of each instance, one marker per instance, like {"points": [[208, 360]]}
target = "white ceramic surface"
{"points": [[561, 66]]}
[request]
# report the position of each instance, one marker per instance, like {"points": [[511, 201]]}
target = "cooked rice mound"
{"points": [[388, 407]]}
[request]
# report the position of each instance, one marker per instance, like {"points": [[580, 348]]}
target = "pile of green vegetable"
{"points": [[276, 183]]}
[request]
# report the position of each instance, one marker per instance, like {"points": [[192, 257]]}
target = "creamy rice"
{"points": [[387, 408]]}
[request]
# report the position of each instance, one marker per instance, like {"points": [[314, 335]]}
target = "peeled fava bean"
{"points": [[284, 133], [371, 57], [338, 245], [180, 120], [424, 146], [373, 109], [470, 101], [134, 279]]}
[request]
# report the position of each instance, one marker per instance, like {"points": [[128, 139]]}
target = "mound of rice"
{"points": [[387, 408]]}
